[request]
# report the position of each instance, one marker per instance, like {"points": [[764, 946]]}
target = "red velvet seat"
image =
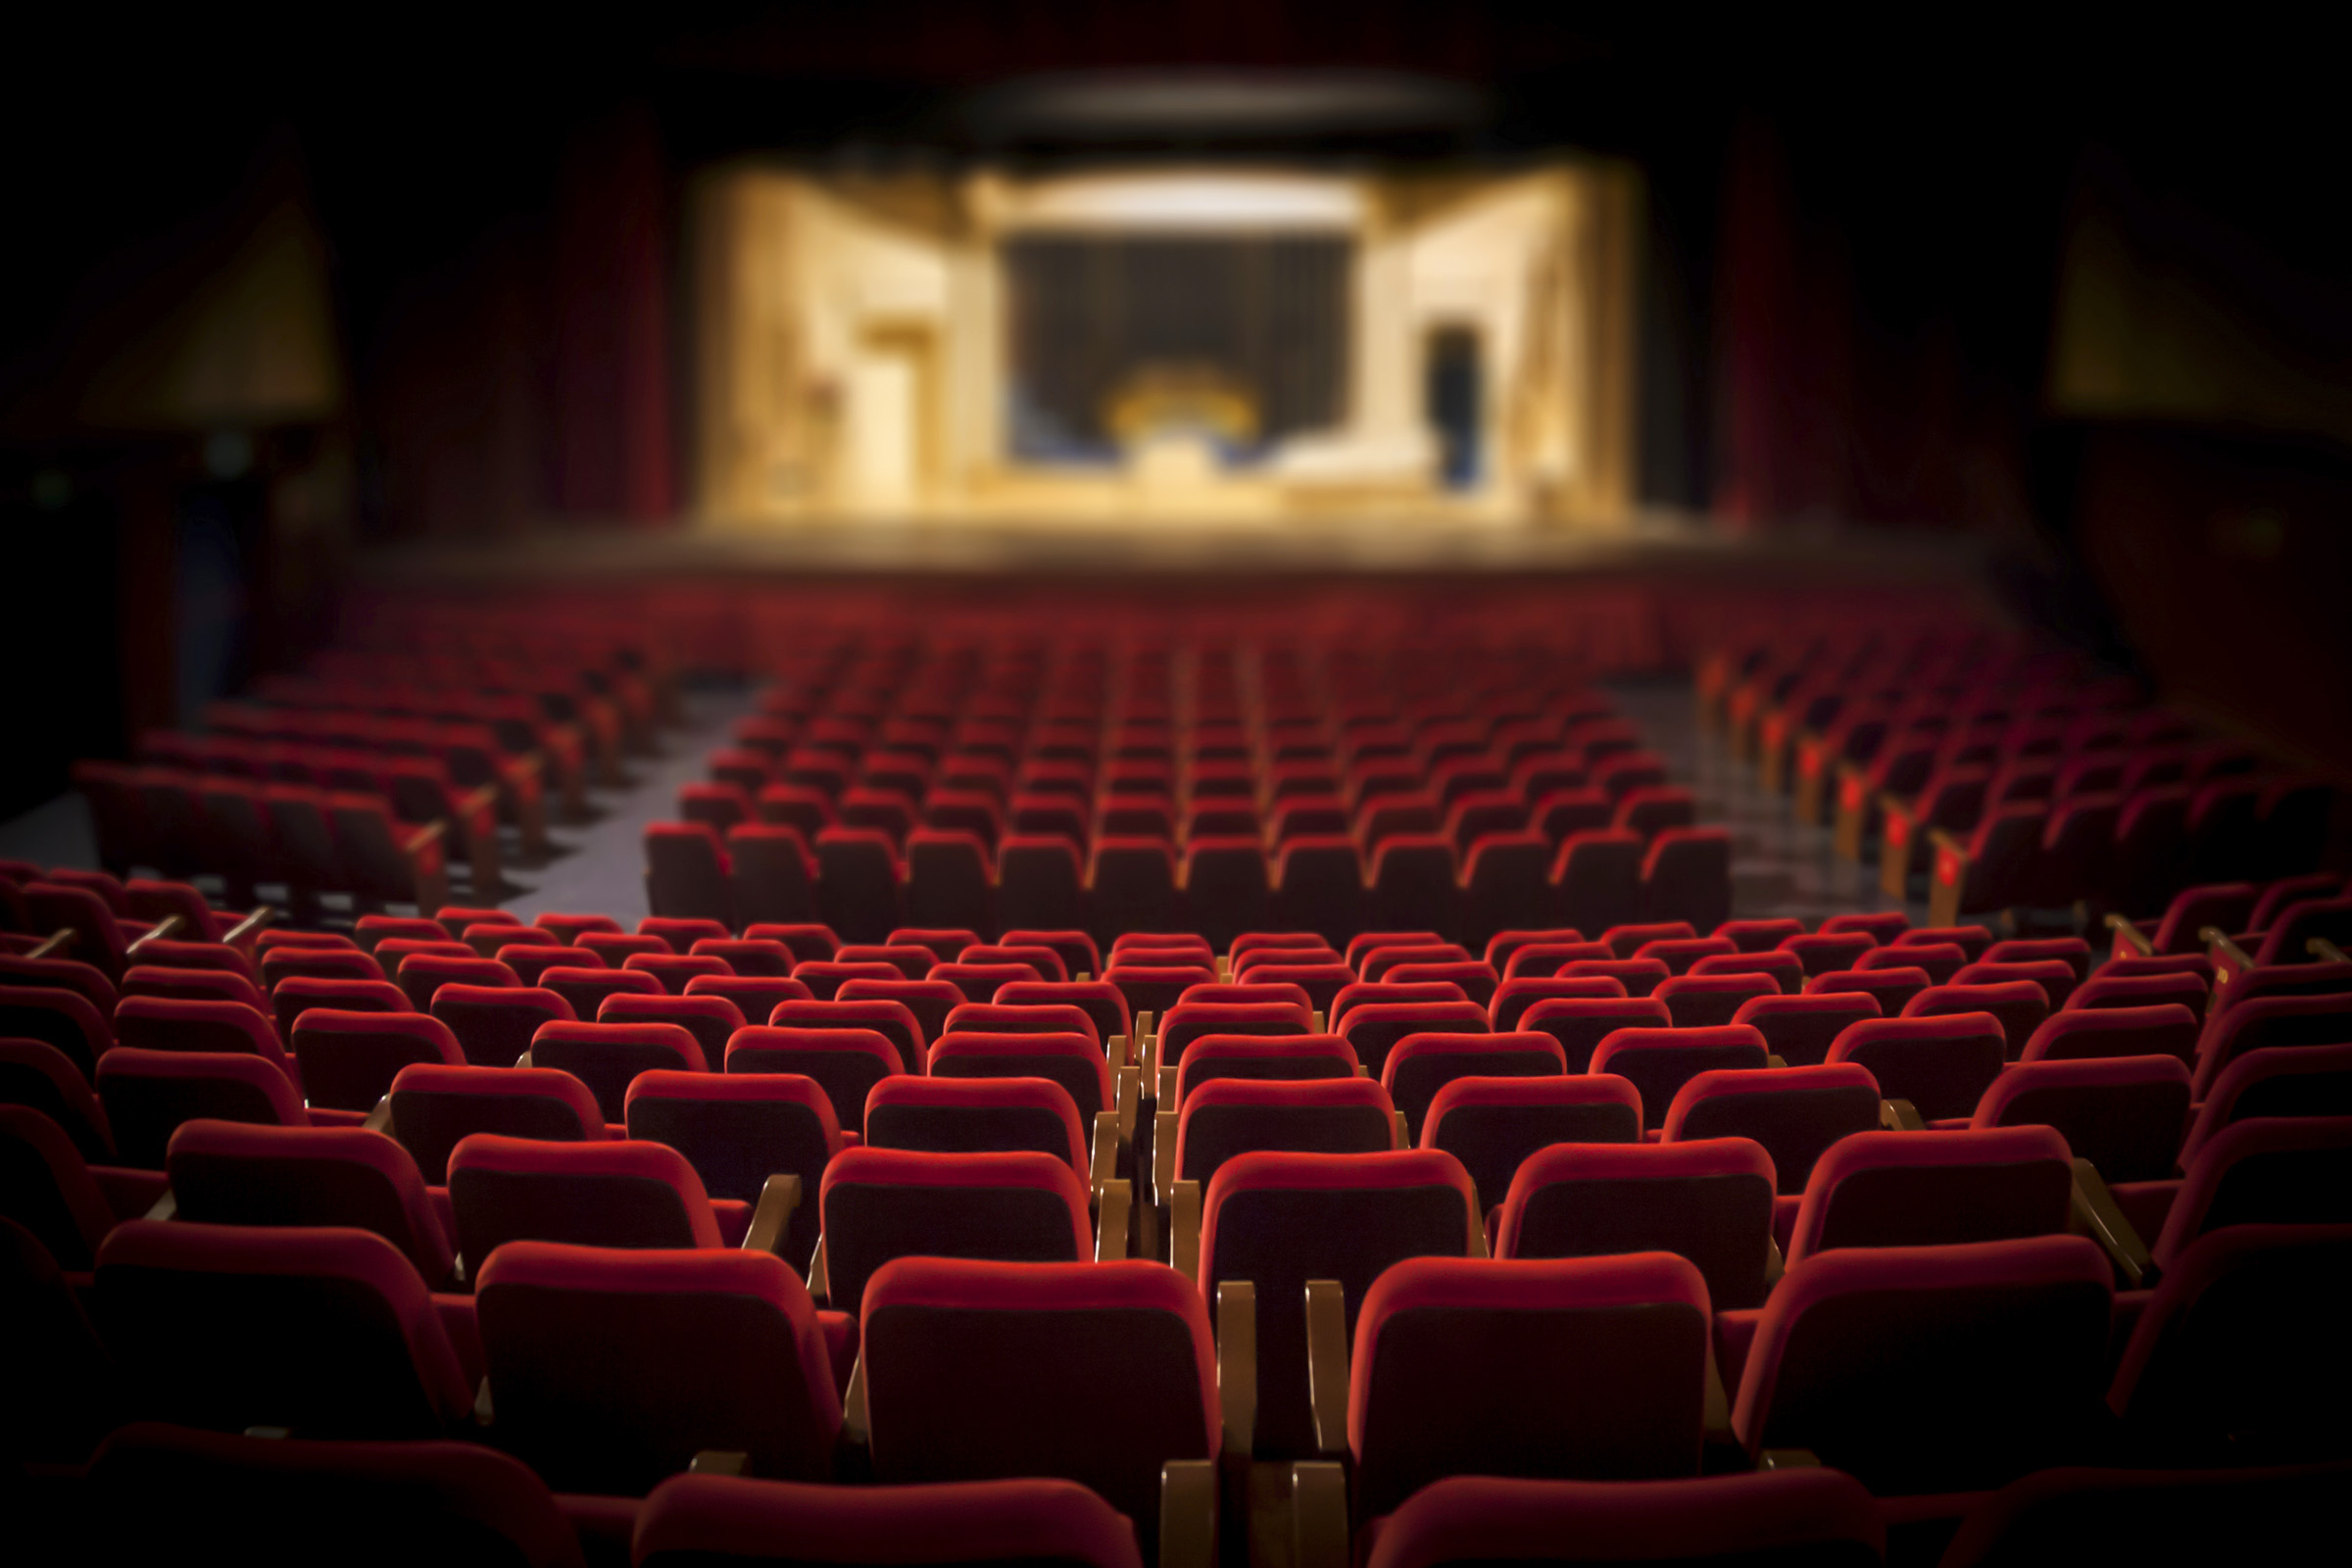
{"points": [[2270, 1023], [2168, 1029], [970, 1115], [2021, 1005], [1022, 1019], [433, 1108], [232, 1173], [980, 1371], [2076, 1514], [1709, 1201], [1660, 1061], [1538, 960], [1077, 949], [2104, 990], [694, 1520], [192, 985], [297, 994], [606, 1057], [160, 1023], [37, 1075], [1009, 1205], [1941, 1066], [422, 974], [1225, 1118], [1099, 1000], [1372, 1029], [148, 1094], [2273, 1170], [2001, 1347], [738, 1129], [894, 1021], [1072, 1060], [1153, 986], [46, 1187], [1279, 1220], [1892, 987], [1698, 1001], [1786, 975], [324, 1331], [713, 1020], [2055, 976], [845, 1062], [688, 872], [349, 1059], [1796, 1113], [1827, 951], [1492, 1125], [1591, 1368], [1640, 977], [1421, 1064], [615, 1193], [1879, 1189], [611, 1369], [1814, 1516], [1263, 1058], [494, 1024], [2282, 1081]]}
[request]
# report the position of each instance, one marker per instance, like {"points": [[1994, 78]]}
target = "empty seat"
{"points": [[1260, 1056], [2001, 1348], [36, 1075], [845, 1062], [46, 1187], [713, 1020], [148, 1094], [1279, 1220], [2124, 1114], [422, 974], [327, 1332], [1492, 1125], [1580, 1025], [494, 1024], [1579, 1368], [1229, 1116], [739, 1129], [2270, 1023], [1796, 1113], [231, 1173], [687, 871], [2076, 1514], [1941, 1066], [950, 1345], [2276, 1170], [611, 1193], [1373, 1028], [1009, 1205], [1709, 1201], [1808, 1515], [297, 994], [434, 1107], [610, 1370], [1892, 1189], [349, 1059], [2283, 1081], [2020, 1004], [1421, 1064], [156, 1023], [1660, 1061], [2168, 1029], [1697, 1002], [606, 1057], [1099, 1000], [711, 1520], [970, 1115], [1072, 1060], [1892, 987], [1827, 951]]}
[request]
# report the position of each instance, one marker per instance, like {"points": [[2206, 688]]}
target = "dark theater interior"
{"points": [[1225, 784]]}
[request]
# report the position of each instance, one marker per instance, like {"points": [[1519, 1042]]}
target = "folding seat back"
{"points": [[19, 973], [1795, 1113], [1759, 936], [673, 971], [607, 1056], [148, 1094], [712, 1021], [324, 1331], [2002, 1347], [2102, 990], [1421, 1064], [879, 1205], [2021, 1005], [980, 982], [1154, 987], [753, 997], [1077, 949], [1695, 1001], [1786, 975], [232, 1173], [687, 871], [745, 956], [1279, 1220], [1375, 961], [1031, 1018], [2296, 1081], [2054, 976], [1512, 998], [1892, 987], [927, 1004], [895, 1021], [1585, 1368], [1230, 1116], [771, 871], [585, 989], [159, 1491], [1212, 1058], [1687, 875], [1072, 1060], [1133, 885], [490, 938], [297, 994], [1941, 1066], [1538, 960], [1044, 1340], [620, 1193], [163, 1023], [610, 1369], [1321, 982], [845, 1062], [1040, 882], [1829, 952], [802, 939], [2299, 923], [1162, 947], [2124, 1114], [571, 927], [1678, 954], [349, 1059], [1581, 1024], [2166, 1029], [422, 974], [494, 1024], [192, 985], [1493, 1125], [1709, 1201], [435, 1107], [1911, 1190], [738, 1129], [529, 963], [2276, 1170], [975, 1116], [1938, 960], [1660, 1061], [39, 1076], [60, 1018], [47, 1188], [2266, 1024], [1188, 1020], [1319, 885], [1373, 1028], [911, 959], [2240, 1351], [702, 1519], [98, 939], [1640, 977], [2074, 951]]}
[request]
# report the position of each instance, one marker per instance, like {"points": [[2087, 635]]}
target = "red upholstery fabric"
{"points": [[1824, 1516], [349, 1059], [1012, 1205], [1709, 1201], [1072, 1060], [700, 1518], [433, 1107], [148, 1094], [2168, 1029], [975, 1114], [1228, 1116], [626, 1193], [1796, 1113], [1877, 1189], [230, 1173], [2124, 1114], [2276, 1170], [606, 1057], [1943, 1065], [1660, 1061]]}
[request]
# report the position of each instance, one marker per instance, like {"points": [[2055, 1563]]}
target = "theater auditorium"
{"points": [[1308, 785]]}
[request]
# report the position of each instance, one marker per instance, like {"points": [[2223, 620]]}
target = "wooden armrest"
{"points": [[1900, 1116], [1895, 824], [245, 930], [1144, 1030], [1716, 1407], [853, 1424], [1775, 1264], [2229, 959], [1130, 1096], [1319, 1514], [1947, 876], [1112, 1202], [820, 1283], [1165, 1093], [1184, 1230], [1163, 1158], [779, 1195], [167, 926], [1224, 970], [2097, 1212], [1104, 1160], [1327, 1362], [1771, 1060], [524, 1061], [1851, 809], [423, 835], [163, 1208], [2324, 950], [1236, 1365], [1477, 1237], [1788, 1459], [1404, 1135], [719, 1462], [1114, 1052], [2127, 934], [1315, 1023], [483, 1414], [55, 943], [379, 1120], [1188, 1514], [475, 802]]}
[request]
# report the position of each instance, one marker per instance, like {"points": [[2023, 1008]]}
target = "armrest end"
{"points": [[1327, 1362], [779, 1195], [1236, 1363]]}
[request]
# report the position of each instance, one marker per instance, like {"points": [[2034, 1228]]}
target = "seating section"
{"points": [[1102, 1093]]}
